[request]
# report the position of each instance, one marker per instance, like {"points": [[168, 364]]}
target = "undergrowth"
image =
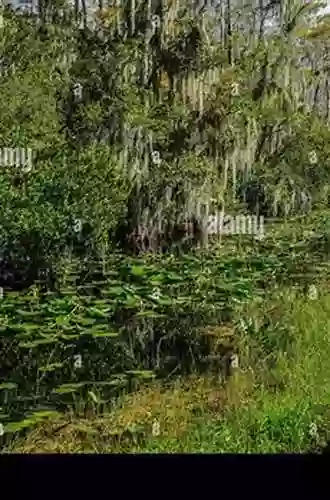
{"points": [[164, 319], [261, 409]]}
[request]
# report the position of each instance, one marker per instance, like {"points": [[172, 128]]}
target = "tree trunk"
{"points": [[229, 32]]}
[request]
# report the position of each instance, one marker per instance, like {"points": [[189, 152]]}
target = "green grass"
{"points": [[267, 407]]}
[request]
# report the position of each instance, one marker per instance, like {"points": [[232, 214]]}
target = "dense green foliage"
{"points": [[138, 144]]}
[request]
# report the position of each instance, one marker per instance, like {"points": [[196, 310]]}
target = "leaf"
{"points": [[174, 277], [33, 419], [118, 379], [100, 302], [67, 388], [62, 320], [86, 321], [51, 367], [157, 279], [117, 382], [105, 334], [8, 386], [132, 301], [93, 397], [69, 336], [41, 415], [98, 313], [138, 270], [184, 300], [28, 314], [45, 334], [25, 326], [18, 426], [164, 301], [35, 343]]}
